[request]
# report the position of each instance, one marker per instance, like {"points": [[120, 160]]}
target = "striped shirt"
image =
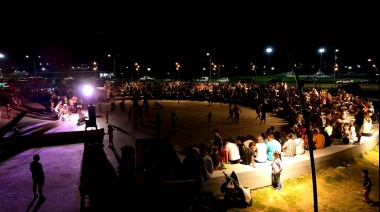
{"points": [[289, 148]]}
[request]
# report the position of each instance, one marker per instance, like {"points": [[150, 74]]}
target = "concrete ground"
{"points": [[73, 167]]}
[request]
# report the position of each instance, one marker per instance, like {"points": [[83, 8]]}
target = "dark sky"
{"points": [[157, 35]]}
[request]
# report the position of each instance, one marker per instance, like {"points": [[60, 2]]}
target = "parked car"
{"points": [[203, 79], [147, 78], [344, 81], [223, 79], [4, 86], [275, 80], [311, 79], [248, 80], [367, 81]]}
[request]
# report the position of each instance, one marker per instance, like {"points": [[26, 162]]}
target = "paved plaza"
{"points": [[63, 164]]}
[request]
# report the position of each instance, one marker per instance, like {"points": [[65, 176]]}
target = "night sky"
{"points": [[160, 34]]}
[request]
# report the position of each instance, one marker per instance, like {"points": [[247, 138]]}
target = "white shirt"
{"points": [[329, 130], [261, 152], [232, 151]]}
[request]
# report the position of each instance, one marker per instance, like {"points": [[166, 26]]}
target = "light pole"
{"points": [[137, 69], [114, 64], [254, 69], [336, 68], [1, 57], [95, 68], [208, 54], [320, 63], [269, 50], [374, 66], [34, 65], [177, 69]]}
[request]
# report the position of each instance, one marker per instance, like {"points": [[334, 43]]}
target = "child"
{"points": [[276, 170], [366, 186], [107, 116]]}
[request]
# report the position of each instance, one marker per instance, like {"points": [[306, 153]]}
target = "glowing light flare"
{"points": [[87, 90]]}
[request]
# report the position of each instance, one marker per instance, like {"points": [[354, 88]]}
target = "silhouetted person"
{"points": [[110, 135], [173, 119], [38, 176]]}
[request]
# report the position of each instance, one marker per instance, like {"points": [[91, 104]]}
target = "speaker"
{"points": [[91, 112]]}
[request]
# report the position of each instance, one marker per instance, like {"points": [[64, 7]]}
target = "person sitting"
{"points": [[367, 127], [232, 152], [289, 147], [261, 150], [300, 144], [216, 159], [319, 139]]}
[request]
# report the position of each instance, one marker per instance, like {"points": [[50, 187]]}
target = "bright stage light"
{"points": [[88, 90]]}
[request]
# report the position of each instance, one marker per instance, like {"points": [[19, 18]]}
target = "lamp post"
{"points": [[95, 68], [320, 62], [137, 69], [1, 57], [268, 50], [336, 68], [34, 65], [374, 66], [177, 69], [254, 69], [114, 64], [208, 54]]}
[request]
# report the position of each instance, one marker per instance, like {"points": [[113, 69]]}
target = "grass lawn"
{"points": [[339, 188]]}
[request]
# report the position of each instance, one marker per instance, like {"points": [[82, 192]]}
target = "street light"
{"points": [[95, 68], [137, 69], [177, 68], [268, 50], [254, 69], [374, 66], [34, 65], [336, 67], [320, 63], [114, 65], [208, 54]]}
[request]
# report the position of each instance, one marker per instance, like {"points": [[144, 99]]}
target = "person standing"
{"points": [[112, 100], [38, 176], [258, 111], [277, 170], [107, 116], [122, 106], [174, 120], [209, 115], [9, 109], [218, 141], [110, 135], [237, 112], [367, 185], [263, 113], [231, 113], [359, 121]]}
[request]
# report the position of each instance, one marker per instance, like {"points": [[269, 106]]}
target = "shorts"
{"points": [[366, 192], [358, 128]]}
